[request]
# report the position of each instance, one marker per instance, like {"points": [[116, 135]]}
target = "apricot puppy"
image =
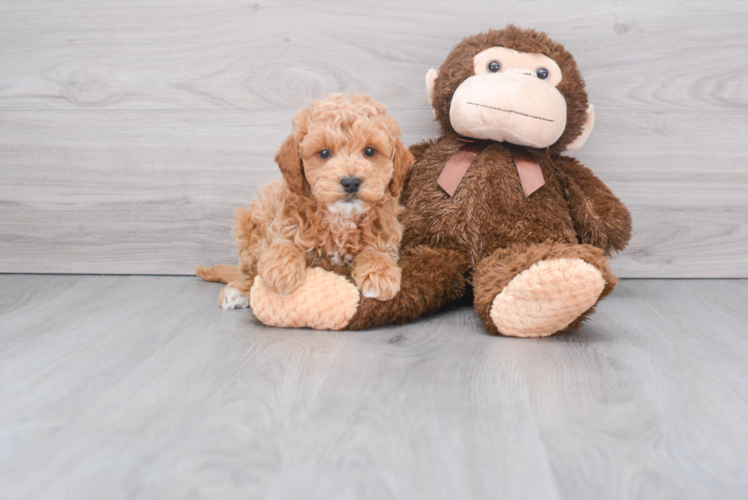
{"points": [[337, 205]]}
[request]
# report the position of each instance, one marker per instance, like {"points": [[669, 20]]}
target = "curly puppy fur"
{"points": [[308, 217]]}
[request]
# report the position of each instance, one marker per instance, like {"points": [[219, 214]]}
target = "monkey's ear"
{"points": [[430, 81], [586, 129], [402, 161], [289, 162]]}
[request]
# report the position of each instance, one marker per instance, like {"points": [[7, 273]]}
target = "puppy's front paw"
{"points": [[382, 284]]}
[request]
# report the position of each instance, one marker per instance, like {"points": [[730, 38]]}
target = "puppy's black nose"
{"points": [[351, 184]]}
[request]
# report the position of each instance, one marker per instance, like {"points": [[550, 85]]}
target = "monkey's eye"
{"points": [[494, 66], [542, 73], [324, 154], [369, 152]]}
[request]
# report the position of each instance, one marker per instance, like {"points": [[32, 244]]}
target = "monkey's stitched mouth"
{"points": [[511, 111]]}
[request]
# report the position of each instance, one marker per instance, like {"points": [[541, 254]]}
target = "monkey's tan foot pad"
{"points": [[325, 301], [546, 298]]}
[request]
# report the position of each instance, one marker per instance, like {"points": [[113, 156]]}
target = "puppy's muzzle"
{"points": [[351, 184]]}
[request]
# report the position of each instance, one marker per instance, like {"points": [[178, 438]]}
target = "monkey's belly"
{"points": [[487, 212]]}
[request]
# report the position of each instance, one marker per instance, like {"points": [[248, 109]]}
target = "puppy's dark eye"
{"points": [[369, 151], [494, 66], [542, 73], [324, 154]]}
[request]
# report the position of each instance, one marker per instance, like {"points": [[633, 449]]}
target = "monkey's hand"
{"points": [[325, 301]]}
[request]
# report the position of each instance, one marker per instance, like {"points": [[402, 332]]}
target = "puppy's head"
{"points": [[346, 153]]}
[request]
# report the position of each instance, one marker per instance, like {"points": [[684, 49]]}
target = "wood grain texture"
{"points": [[129, 131], [175, 54], [141, 388], [136, 192]]}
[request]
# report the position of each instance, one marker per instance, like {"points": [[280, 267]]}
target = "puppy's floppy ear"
{"points": [[289, 162], [402, 161]]}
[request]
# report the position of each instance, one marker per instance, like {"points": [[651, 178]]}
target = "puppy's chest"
{"points": [[339, 241], [337, 259]]}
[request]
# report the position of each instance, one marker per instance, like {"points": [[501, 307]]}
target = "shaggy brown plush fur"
{"points": [[488, 233], [308, 217]]}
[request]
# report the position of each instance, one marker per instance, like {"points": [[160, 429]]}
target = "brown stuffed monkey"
{"points": [[493, 203]]}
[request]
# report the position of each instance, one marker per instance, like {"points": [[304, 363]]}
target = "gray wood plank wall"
{"points": [[129, 131]]}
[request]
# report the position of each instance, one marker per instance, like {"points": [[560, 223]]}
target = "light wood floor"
{"points": [[142, 388]]}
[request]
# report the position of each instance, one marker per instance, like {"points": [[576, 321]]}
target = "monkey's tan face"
{"points": [[512, 97]]}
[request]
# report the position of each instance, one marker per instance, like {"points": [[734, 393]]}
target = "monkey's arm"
{"points": [[600, 218]]}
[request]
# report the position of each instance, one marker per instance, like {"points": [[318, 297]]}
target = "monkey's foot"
{"points": [[325, 301], [547, 297]]}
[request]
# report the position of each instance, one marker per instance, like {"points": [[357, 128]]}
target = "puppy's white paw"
{"points": [[233, 299], [377, 275], [381, 286]]}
